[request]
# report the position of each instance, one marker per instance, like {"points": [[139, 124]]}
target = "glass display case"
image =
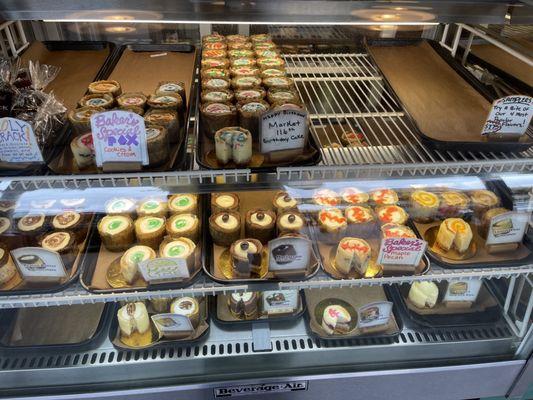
{"points": [[214, 202]]}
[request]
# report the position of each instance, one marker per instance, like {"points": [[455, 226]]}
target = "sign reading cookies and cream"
{"points": [[17, 142], [374, 314], [462, 290], [289, 254], [510, 116], [507, 228], [36, 264], [283, 130], [164, 269], [401, 251], [119, 137]]}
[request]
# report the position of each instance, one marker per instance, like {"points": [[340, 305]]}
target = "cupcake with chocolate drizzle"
{"points": [[260, 224]]}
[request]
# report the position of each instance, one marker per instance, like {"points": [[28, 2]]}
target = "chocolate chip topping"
{"points": [[292, 218], [287, 198], [260, 215], [225, 217], [186, 305], [245, 245], [30, 220]]}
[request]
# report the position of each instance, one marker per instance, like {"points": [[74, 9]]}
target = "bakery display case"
{"points": [[265, 200]]}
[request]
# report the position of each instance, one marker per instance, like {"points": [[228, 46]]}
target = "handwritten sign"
{"points": [[119, 136], [17, 142], [507, 228], [509, 116], [401, 251], [283, 130], [164, 269], [36, 264]]}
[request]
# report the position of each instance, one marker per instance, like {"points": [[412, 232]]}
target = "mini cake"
{"points": [[161, 305], [132, 100], [233, 144], [454, 233], [184, 225], [150, 231], [270, 62], [217, 96], [250, 114], [7, 272], [165, 101], [224, 202], [482, 201], [260, 38], [424, 206], [267, 54], [244, 71], [216, 116], [152, 207], [333, 223], [353, 196], [240, 53], [336, 320], [132, 318], [396, 231], [453, 204], [239, 45], [188, 307], [278, 82], [236, 38], [133, 109], [241, 62], [215, 73], [284, 202], [5, 225], [246, 82], [282, 96], [290, 222], [120, 206], [326, 198], [214, 46], [353, 139], [264, 46], [361, 220], [31, 226], [213, 38], [7, 206], [392, 214], [384, 197], [222, 63], [183, 203], [215, 84], [244, 305], [486, 219], [246, 257], [260, 224], [116, 232], [250, 95], [61, 242], [423, 294], [80, 118], [166, 118], [129, 262], [104, 100], [157, 144], [72, 221], [82, 148], [182, 248], [225, 227], [172, 87], [106, 86], [352, 254], [215, 53]]}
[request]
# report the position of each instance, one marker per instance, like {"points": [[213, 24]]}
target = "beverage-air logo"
{"points": [[255, 389]]}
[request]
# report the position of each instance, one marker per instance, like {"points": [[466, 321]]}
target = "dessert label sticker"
{"points": [[280, 301], [289, 253], [36, 264], [167, 324], [283, 130], [119, 136], [462, 291], [164, 269], [17, 142], [507, 228], [374, 314], [509, 116], [401, 251]]}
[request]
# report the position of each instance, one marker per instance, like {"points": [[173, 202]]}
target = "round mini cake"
{"points": [[225, 227], [184, 225], [353, 254], [283, 202], [152, 207], [392, 214], [224, 202], [116, 232], [336, 320], [424, 206], [188, 307], [453, 204], [120, 206], [150, 231], [260, 224], [384, 197], [182, 248], [246, 256], [290, 222], [129, 262], [183, 203], [423, 294]]}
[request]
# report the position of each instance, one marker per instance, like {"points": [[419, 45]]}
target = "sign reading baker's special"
{"points": [[283, 130], [164, 269], [508, 227], [119, 136], [401, 251], [36, 264], [17, 142], [509, 116]]}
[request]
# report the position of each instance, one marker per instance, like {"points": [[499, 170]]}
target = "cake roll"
{"points": [[482, 201], [282, 96], [116, 232], [129, 262], [240, 53], [278, 83], [392, 214], [242, 62], [332, 224], [246, 257], [453, 204], [157, 143], [172, 87], [215, 53], [239, 46], [244, 71], [353, 254], [211, 84], [62, 242], [245, 82], [31, 227], [272, 73], [183, 203], [424, 206], [250, 95], [233, 144], [361, 221], [104, 100], [184, 226], [80, 118], [150, 231], [270, 63], [260, 224], [218, 96], [396, 231], [215, 73], [267, 53], [384, 197], [167, 119], [250, 114], [72, 221], [165, 101], [225, 227], [486, 220], [336, 320], [120, 206]]}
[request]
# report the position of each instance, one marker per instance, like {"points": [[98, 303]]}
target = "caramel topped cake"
{"points": [[7, 206], [107, 86]]}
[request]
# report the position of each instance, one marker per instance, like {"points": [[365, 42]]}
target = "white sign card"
{"points": [[119, 136], [508, 227], [17, 142], [289, 254], [509, 115], [280, 301], [164, 269], [462, 290], [36, 264], [374, 314], [283, 130], [401, 251], [168, 324]]}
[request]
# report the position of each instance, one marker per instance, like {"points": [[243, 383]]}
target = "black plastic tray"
{"points": [[282, 318], [489, 316], [478, 146], [395, 312], [7, 316]]}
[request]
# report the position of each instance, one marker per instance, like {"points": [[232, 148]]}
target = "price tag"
{"points": [[164, 269], [509, 116], [462, 291], [169, 324], [17, 142], [283, 130], [280, 301], [289, 254], [119, 137], [401, 251], [36, 264], [374, 314], [507, 228]]}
